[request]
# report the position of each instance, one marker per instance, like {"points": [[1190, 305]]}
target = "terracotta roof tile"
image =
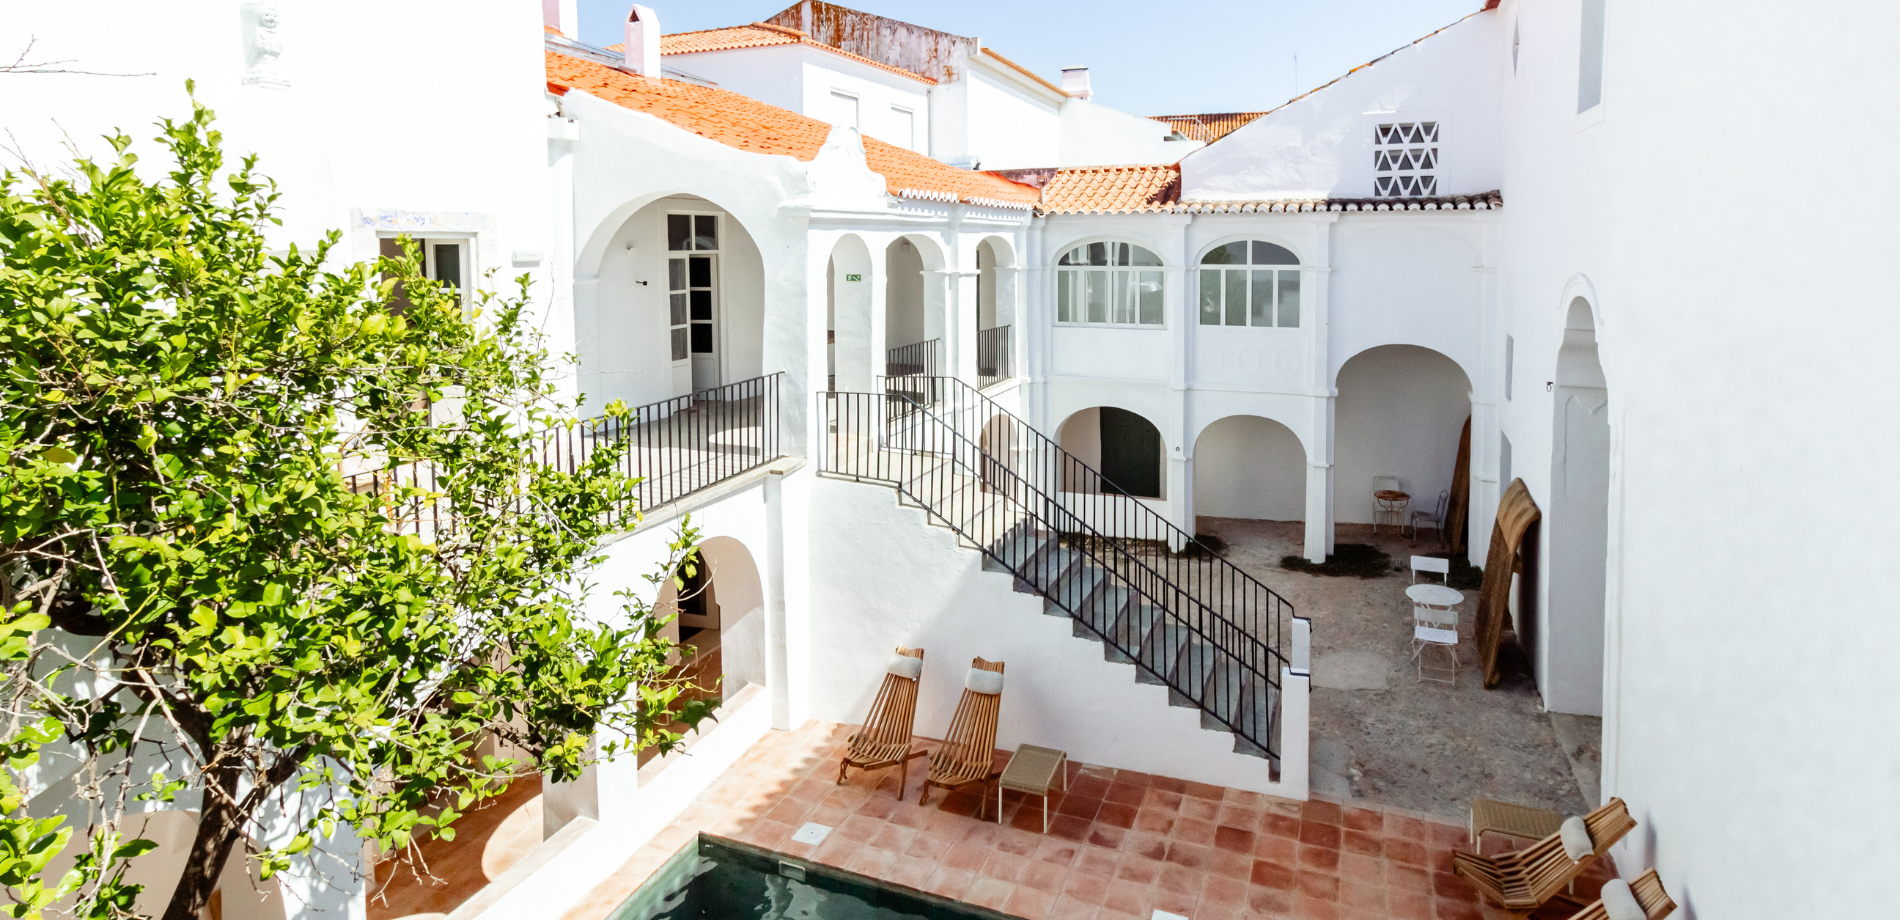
{"points": [[758, 35], [1154, 189], [1208, 127], [748, 124]]}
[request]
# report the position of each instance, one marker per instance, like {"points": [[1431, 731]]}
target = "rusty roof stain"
{"points": [[747, 124], [759, 35]]}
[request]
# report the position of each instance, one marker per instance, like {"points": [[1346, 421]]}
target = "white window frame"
{"points": [[857, 107], [910, 115], [685, 255], [1067, 276], [1247, 269], [463, 242]]}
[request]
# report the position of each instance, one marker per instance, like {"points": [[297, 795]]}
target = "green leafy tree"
{"points": [[281, 527]]}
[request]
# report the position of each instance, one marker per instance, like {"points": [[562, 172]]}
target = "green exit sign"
{"points": [[854, 277]]}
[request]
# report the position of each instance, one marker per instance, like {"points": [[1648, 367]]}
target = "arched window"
{"points": [[1247, 290], [1116, 284]]}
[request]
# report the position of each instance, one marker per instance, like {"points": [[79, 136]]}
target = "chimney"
{"points": [[643, 42], [1075, 82]]}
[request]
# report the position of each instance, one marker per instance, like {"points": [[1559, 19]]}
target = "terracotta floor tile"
{"points": [[1239, 816], [837, 851], [893, 838], [931, 845], [1277, 849], [1138, 869], [1362, 895], [1105, 913], [1155, 821], [1315, 909], [1407, 905], [1069, 827], [1229, 864], [996, 865], [1168, 784], [1278, 825], [1043, 876], [1363, 843], [1447, 885], [1194, 830], [1205, 791], [1208, 911], [1408, 878], [1225, 892], [1059, 852], [1089, 888], [1321, 885], [912, 872], [1117, 814], [1243, 799], [1445, 909], [859, 827], [1096, 860], [1106, 836], [1018, 842], [1181, 880], [989, 892], [1362, 868], [877, 806], [1408, 852], [1200, 809], [1031, 904], [1274, 875], [1123, 792], [950, 883], [1187, 855], [873, 862], [1321, 858], [1323, 835], [1405, 828], [1129, 898], [1448, 836], [1320, 811], [1363, 819], [1068, 908], [1269, 902], [1150, 846], [1175, 903], [1233, 839]]}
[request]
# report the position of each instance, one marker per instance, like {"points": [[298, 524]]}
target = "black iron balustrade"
{"points": [[992, 355], [1188, 618], [674, 447]]}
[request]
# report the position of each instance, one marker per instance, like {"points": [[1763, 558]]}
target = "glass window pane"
{"points": [[1289, 299], [1210, 297], [679, 232], [1098, 254], [702, 338], [1230, 254], [701, 275], [1261, 300], [1151, 298], [677, 309], [1236, 297], [1125, 297], [679, 344], [705, 232], [448, 264], [1072, 257], [702, 304], [676, 274], [1096, 295], [1140, 256], [1269, 254], [1065, 310], [1121, 253]]}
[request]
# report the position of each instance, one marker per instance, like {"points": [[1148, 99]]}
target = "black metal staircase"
{"points": [[1187, 618]]}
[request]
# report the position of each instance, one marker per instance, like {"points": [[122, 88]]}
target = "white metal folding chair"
{"points": [[1431, 564], [1435, 628], [1434, 518]]}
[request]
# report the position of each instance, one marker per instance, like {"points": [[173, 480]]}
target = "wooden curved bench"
{"points": [[1523, 880]]}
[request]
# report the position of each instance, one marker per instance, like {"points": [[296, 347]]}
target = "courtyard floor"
{"points": [[1122, 844], [1382, 736]]}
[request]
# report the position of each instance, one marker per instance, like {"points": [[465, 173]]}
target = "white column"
{"points": [[1316, 278], [1009, 311], [940, 316], [962, 338], [777, 648]]}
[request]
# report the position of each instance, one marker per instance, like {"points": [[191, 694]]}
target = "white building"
{"points": [[1542, 219]]}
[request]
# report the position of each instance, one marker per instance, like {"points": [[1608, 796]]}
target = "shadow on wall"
{"points": [[1124, 447], [1400, 411], [1249, 467]]}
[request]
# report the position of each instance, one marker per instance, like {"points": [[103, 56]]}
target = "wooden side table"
{"points": [[1031, 771]]}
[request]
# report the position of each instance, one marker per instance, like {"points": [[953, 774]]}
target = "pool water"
{"points": [[719, 879]]}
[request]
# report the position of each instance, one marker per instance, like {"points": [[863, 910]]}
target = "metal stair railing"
{"points": [[1101, 582], [1200, 573]]}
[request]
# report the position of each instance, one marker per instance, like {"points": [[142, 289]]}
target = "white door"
{"points": [[693, 299]]}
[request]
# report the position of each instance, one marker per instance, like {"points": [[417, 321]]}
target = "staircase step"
{"points": [[1222, 694], [1161, 650], [1072, 587], [1096, 616], [1259, 700], [1192, 667], [1131, 631]]}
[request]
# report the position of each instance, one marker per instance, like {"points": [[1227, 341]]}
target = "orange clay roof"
{"points": [[1208, 127], [757, 35], [748, 124], [1152, 189]]}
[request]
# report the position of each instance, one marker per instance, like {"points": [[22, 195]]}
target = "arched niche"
{"points": [[913, 302], [1569, 628], [1400, 412], [1249, 467], [1125, 447], [849, 281]]}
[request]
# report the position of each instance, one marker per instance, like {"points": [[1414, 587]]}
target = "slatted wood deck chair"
{"points": [[1643, 899], [1523, 880], [885, 739], [968, 752]]}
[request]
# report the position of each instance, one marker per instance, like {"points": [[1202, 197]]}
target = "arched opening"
{"points": [[720, 602], [913, 309], [1570, 627], [678, 305], [1250, 468], [998, 443], [995, 311], [1126, 449], [848, 312], [1397, 422]]}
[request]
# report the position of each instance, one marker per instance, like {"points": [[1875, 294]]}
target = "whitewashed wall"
{"points": [[802, 79], [1250, 467], [1399, 411], [1009, 125], [1096, 135], [1321, 145]]}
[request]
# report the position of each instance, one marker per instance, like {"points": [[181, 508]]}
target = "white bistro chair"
{"points": [[1435, 628], [1435, 519], [1442, 567]]}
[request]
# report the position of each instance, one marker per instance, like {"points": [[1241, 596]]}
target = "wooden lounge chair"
{"points": [[968, 752], [884, 741], [1522, 880], [1650, 896]]}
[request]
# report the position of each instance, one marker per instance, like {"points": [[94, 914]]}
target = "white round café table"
{"points": [[1435, 595]]}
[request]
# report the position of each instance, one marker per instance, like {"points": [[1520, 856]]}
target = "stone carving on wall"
{"points": [[263, 46]]}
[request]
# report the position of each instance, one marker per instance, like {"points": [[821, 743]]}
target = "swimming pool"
{"points": [[719, 879]]}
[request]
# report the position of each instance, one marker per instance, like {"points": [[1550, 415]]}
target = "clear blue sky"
{"points": [[1147, 58]]}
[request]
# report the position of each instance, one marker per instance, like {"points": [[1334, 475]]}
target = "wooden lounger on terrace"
{"points": [[1522, 880], [1648, 893], [884, 741], [968, 752]]}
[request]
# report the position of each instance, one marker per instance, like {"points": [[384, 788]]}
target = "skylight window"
{"points": [[1405, 159]]}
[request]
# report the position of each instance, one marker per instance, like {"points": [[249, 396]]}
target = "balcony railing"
{"points": [[992, 356], [675, 448]]}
